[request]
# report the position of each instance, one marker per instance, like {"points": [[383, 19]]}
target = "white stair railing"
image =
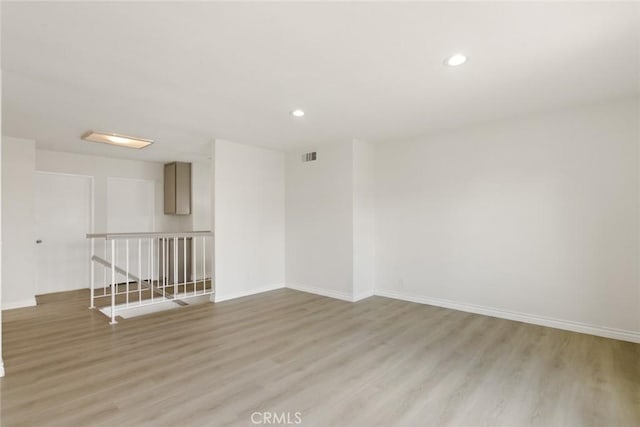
{"points": [[141, 269]]}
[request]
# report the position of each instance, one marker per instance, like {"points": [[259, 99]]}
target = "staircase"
{"points": [[148, 272]]}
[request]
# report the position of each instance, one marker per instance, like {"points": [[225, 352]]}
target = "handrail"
{"points": [[117, 236], [172, 265]]}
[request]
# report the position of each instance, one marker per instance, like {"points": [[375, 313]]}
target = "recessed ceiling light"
{"points": [[297, 113], [116, 139], [455, 60]]}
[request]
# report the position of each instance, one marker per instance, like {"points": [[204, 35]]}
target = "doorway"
{"points": [[63, 213]]}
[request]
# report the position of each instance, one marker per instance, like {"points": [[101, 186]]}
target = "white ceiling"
{"points": [[186, 73]]}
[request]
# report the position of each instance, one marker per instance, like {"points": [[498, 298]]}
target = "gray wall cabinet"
{"points": [[177, 188]]}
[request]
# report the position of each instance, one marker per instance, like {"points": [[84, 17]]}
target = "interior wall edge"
{"points": [[29, 302], [363, 295], [321, 291], [230, 296]]}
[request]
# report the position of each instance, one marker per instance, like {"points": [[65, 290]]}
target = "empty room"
{"points": [[320, 213]]}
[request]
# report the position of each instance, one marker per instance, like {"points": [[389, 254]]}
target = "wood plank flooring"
{"points": [[378, 362]]}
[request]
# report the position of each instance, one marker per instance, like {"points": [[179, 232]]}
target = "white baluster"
{"points": [[113, 282], [194, 272], [151, 267], [139, 271], [93, 271], [126, 244], [163, 267], [104, 283], [175, 267], [204, 265]]}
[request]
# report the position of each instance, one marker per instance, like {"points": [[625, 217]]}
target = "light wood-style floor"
{"points": [[378, 362]]}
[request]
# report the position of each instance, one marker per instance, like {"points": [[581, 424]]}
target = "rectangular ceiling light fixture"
{"points": [[116, 139]]}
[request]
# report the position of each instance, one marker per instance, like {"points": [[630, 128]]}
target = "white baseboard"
{"points": [[363, 295], [31, 302], [321, 291], [568, 325], [225, 297], [1, 369], [331, 293]]}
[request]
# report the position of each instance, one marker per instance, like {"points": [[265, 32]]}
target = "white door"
{"points": [[63, 218]]}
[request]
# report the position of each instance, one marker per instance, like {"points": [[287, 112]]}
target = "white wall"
{"points": [[131, 205], [319, 212], [363, 220], [330, 221], [18, 274], [537, 216], [201, 204], [249, 219], [201, 174]]}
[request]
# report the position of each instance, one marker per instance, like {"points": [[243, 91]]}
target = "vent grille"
{"points": [[309, 157]]}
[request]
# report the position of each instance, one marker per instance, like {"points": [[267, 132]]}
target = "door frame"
{"points": [[92, 192]]}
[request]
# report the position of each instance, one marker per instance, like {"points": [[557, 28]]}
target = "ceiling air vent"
{"points": [[309, 157]]}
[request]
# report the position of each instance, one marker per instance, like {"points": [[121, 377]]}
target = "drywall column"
{"points": [[201, 181], [249, 219], [319, 212], [330, 221], [212, 208], [18, 208], [363, 220]]}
